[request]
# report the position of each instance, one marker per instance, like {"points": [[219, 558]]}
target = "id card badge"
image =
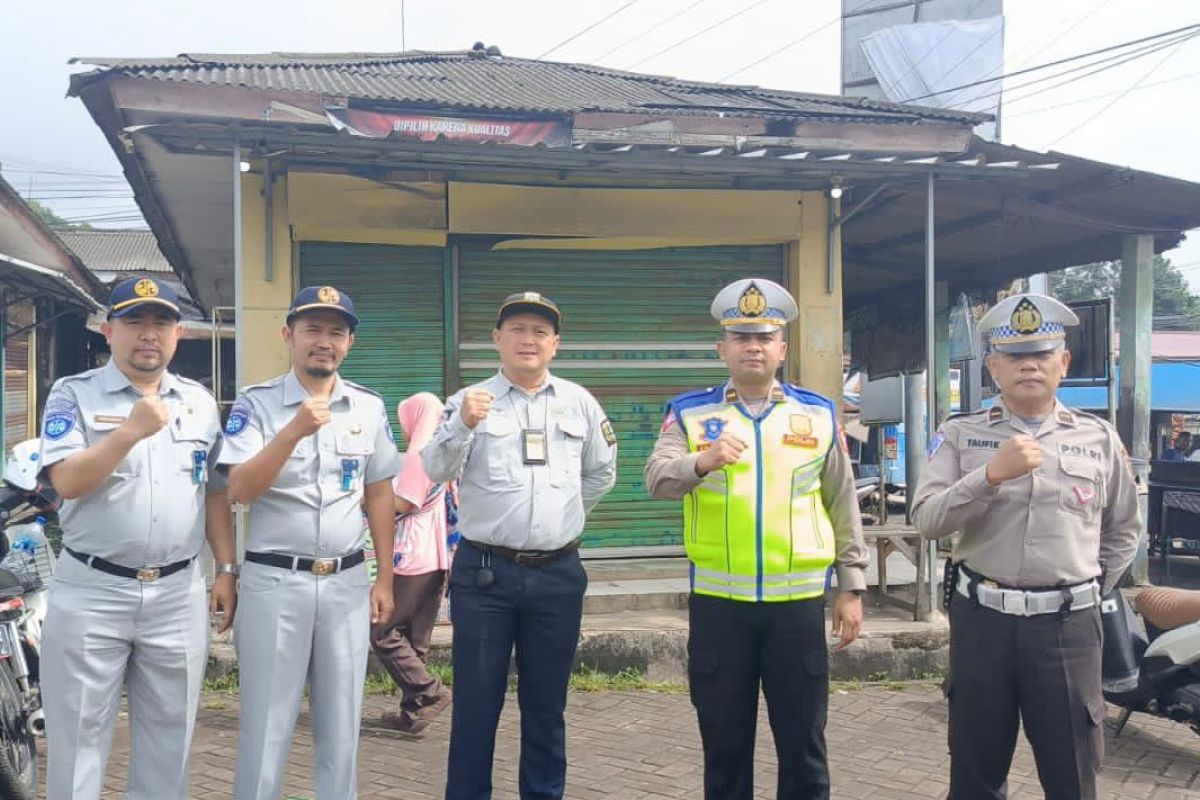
{"points": [[349, 473], [533, 447], [199, 466]]}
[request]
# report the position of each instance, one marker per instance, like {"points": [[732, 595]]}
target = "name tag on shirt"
{"points": [[533, 447]]}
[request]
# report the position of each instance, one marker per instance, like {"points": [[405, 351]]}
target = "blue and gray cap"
{"points": [[754, 305], [136, 294], [323, 298], [1027, 323]]}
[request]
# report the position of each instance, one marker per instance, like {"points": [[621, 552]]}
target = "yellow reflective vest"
{"points": [[758, 530]]}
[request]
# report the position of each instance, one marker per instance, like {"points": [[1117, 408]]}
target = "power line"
{"points": [[1122, 95], [789, 45], [1067, 60], [1057, 106], [648, 31], [1109, 62], [594, 25], [697, 34]]}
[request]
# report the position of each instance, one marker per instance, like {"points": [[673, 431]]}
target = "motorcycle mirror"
{"points": [[23, 464]]}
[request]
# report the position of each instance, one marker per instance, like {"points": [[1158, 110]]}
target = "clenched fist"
{"points": [[726, 450], [312, 414], [1016, 457], [475, 406], [148, 416]]}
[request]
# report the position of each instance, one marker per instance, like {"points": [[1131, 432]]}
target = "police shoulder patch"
{"points": [[239, 417], [935, 444]]}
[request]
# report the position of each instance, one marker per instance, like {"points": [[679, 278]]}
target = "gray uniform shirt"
{"points": [[502, 500], [150, 511], [314, 507], [1053, 526], [670, 474]]}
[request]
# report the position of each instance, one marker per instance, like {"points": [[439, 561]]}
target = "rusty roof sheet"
{"points": [[478, 80]]}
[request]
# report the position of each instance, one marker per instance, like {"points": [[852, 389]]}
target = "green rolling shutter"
{"points": [[636, 332], [399, 347]]}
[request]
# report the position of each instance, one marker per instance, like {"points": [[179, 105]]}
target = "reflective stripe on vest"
{"points": [[757, 530]]}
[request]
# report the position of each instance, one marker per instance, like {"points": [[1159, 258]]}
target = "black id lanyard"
{"points": [[534, 449]]}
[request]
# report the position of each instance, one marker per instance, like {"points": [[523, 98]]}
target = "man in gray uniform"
{"points": [[536, 454], [304, 451], [129, 446], [1045, 502]]}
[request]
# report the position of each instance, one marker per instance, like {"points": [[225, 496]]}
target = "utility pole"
{"points": [[403, 42]]}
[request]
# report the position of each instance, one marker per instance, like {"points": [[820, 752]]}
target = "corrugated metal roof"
{"points": [[476, 80], [116, 250]]}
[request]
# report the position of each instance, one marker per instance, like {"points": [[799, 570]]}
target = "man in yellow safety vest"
{"points": [[768, 506]]}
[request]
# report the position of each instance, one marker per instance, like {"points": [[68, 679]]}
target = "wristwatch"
{"points": [[228, 569]]}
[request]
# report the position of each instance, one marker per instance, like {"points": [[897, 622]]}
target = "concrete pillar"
{"points": [[1133, 413]]}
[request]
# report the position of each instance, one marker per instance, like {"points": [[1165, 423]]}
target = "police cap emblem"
{"points": [[328, 294], [145, 288]]}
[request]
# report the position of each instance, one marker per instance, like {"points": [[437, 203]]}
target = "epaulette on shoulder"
{"points": [[1090, 417], [966, 414], [362, 388], [696, 396], [80, 376], [807, 396], [267, 384]]}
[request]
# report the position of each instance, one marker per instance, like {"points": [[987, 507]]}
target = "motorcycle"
{"points": [[26, 563], [1151, 660]]}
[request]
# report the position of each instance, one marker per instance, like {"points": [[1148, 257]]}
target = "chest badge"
{"points": [[713, 427], [1084, 494], [801, 424]]}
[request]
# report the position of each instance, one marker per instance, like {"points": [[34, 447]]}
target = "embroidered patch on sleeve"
{"points": [[935, 444], [239, 417], [610, 435]]}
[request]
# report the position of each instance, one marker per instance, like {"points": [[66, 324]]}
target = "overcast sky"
{"points": [[1153, 127]]}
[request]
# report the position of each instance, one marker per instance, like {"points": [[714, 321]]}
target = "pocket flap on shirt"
{"points": [[354, 444], [498, 425], [574, 427], [190, 428], [1080, 468]]}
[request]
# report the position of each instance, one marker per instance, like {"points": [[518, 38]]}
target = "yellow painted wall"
{"points": [[815, 339], [320, 207], [264, 303]]}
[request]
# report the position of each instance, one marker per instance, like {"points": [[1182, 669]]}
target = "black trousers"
{"points": [[1042, 672], [733, 648], [536, 612]]}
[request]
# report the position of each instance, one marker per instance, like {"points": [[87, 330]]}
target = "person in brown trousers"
{"points": [[419, 564]]}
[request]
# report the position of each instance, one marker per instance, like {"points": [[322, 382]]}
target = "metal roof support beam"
{"points": [[927, 594], [1133, 411]]}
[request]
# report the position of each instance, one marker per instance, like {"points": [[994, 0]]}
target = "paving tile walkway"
{"points": [[884, 743]]}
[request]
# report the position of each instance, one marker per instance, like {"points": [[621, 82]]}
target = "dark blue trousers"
{"points": [[536, 611]]}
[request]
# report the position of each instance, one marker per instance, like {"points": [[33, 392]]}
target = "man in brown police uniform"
{"points": [[1045, 502]]}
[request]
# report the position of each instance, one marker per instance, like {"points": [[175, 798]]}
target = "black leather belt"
{"points": [[527, 558], [317, 566], [143, 574]]}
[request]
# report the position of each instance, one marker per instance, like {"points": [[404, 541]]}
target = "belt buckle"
{"points": [[149, 574], [1019, 605], [524, 559], [324, 566]]}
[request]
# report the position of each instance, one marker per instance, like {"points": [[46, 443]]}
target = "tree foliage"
{"points": [[1176, 307]]}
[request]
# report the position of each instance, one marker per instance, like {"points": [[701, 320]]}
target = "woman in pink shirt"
{"points": [[419, 566]]}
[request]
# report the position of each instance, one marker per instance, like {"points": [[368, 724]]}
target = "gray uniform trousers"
{"points": [[293, 626], [104, 632]]}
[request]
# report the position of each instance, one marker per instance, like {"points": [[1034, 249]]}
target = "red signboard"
{"points": [[428, 127]]}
